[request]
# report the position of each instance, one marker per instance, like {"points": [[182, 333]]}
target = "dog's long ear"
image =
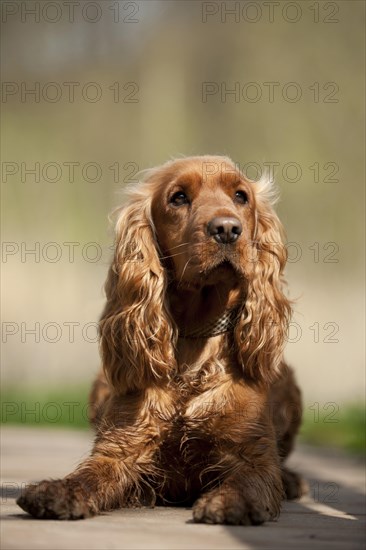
{"points": [[262, 329], [137, 334]]}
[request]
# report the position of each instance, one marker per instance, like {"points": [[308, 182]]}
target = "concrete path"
{"points": [[331, 516]]}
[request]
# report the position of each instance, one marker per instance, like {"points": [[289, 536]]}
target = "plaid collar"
{"points": [[220, 325]]}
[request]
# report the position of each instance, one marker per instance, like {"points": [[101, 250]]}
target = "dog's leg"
{"points": [[123, 456], [108, 479], [244, 466], [286, 412], [250, 495]]}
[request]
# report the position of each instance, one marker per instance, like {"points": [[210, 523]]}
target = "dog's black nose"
{"points": [[224, 230]]}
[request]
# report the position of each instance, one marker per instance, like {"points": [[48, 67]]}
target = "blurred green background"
{"points": [[123, 86]]}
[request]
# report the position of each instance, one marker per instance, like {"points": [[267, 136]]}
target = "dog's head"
{"points": [[196, 222]]}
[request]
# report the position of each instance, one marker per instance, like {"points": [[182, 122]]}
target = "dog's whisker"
{"points": [[179, 245], [183, 271], [172, 255]]}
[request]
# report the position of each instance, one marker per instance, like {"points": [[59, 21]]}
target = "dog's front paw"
{"points": [[231, 507], [59, 499]]}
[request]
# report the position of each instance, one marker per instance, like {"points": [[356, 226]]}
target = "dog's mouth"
{"points": [[225, 265], [223, 271], [211, 267]]}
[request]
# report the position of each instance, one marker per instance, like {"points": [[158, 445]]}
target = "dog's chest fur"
{"points": [[193, 436]]}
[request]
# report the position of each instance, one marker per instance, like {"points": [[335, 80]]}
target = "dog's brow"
{"points": [[229, 181], [189, 179]]}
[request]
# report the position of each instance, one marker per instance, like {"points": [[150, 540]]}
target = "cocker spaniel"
{"points": [[195, 404]]}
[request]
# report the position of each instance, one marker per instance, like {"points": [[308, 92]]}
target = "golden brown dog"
{"points": [[195, 404]]}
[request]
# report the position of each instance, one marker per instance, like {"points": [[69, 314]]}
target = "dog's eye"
{"points": [[241, 197], [179, 198]]}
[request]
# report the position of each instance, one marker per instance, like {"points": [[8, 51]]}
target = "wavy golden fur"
{"points": [[195, 403]]}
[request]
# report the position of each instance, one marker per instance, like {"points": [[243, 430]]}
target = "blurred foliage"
{"points": [[347, 432], [66, 408]]}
